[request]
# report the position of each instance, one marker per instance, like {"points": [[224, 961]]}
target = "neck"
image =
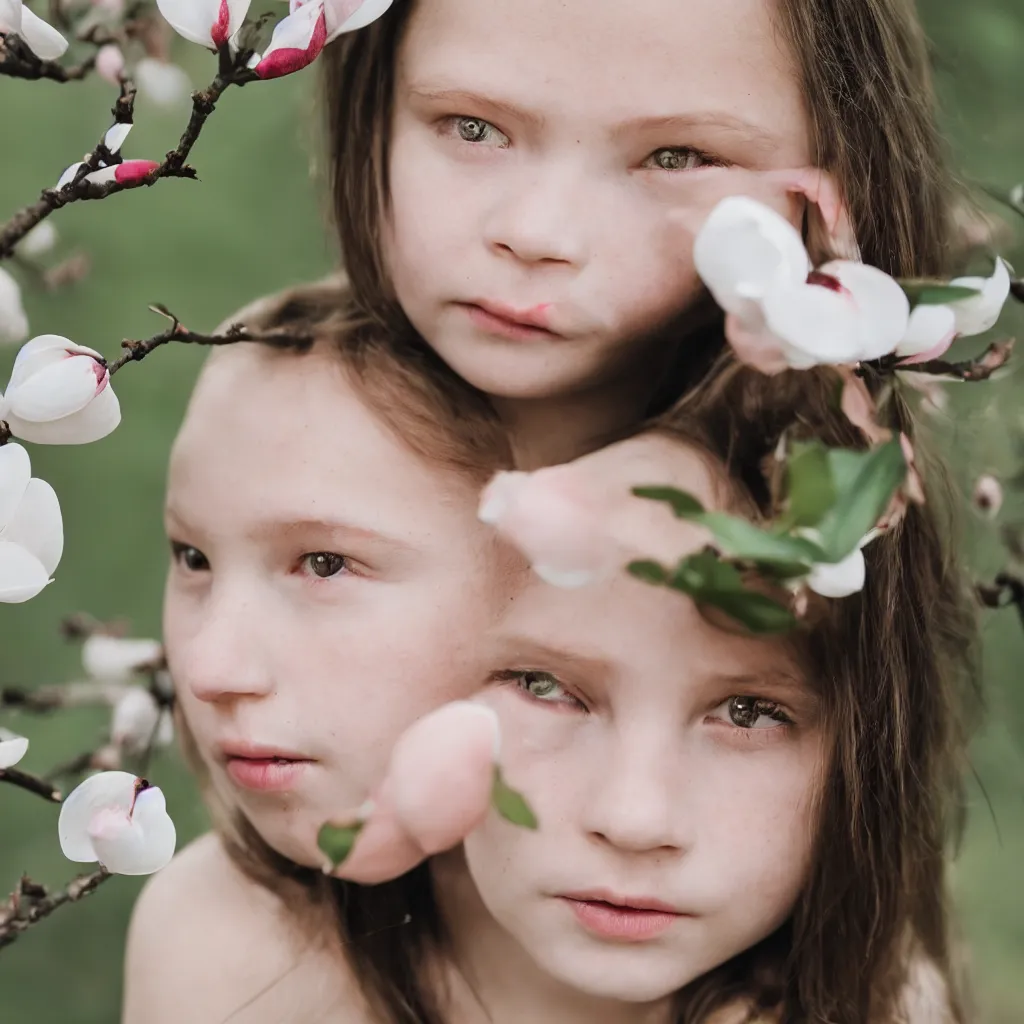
{"points": [[493, 980]]}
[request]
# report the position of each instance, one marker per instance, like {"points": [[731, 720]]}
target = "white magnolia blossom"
{"points": [[164, 84], [12, 748], [310, 25], [843, 578], [42, 39], [114, 659], [210, 23], [139, 722], [39, 241], [119, 820], [59, 393], [781, 312], [13, 321], [31, 528]]}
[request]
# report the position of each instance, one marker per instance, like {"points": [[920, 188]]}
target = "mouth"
{"points": [[508, 322], [622, 918], [265, 769]]}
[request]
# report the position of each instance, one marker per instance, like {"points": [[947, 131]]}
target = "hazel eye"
{"points": [[678, 158], [541, 685], [755, 713], [325, 564], [477, 130], [191, 558]]}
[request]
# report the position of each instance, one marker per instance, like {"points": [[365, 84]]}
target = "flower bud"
{"points": [[110, 63], [59, 393], [163, 84], [113, 659], [210, 23], [988, 495], [12, 748], [137, 721], [42, 39], [13, 321]]}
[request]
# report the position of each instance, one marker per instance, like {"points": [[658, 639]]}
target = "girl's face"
{"points": [[674, 769], [537, 149], [317, 570]]}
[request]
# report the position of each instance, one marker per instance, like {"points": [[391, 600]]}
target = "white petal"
{"points": [[167, 85], [115, 659], [928, 328], [295, 31], [744, 250], [147, 845], [68, 176], [13, 321], [38, 525], [41, 239], [56, 391], [22, 575], [136, 719], [841, 579], [115, 136], [237, 10], [42, 39], [165, 730], [980, 312], [15, 473], [339, 18], [12, 748], [193, 19], [882, 306], [10, 15], [106, 790], [816, 326], [99, 418], [43, 350]]}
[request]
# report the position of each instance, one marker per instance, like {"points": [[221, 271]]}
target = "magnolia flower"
{"points": [[122, 173], [40, 240], [139, 722], [310, 25], [114, 659], [12, 748], [13, 322], [977, 314], [120, 821], [59, 393], [210, 23], [164, 84], [110, 63], [843, 578], [42, 39], [31, 528]]}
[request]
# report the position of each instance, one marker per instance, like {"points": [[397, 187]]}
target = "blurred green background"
{"points": [[255, 223]]}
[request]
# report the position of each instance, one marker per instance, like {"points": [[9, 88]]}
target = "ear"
{"points": [[828, 228]]}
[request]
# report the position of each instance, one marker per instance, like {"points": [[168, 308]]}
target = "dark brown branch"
{"points": [[1004, 590], [135, 351], [43, 699], [232, 71], [1017, 289], [18, 61], [31, 902], [31, 783], [980, 368]]}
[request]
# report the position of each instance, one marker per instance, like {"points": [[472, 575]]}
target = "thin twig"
{"points": [[32, 783], [980, 368], [18, 61], [78, 694], [1004, 590], [31, 902]]}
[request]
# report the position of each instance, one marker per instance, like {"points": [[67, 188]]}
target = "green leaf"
{"points": [[336, 841], [935, 293], [810, 488], [710, 581], [649, 572], [739, 538], [684, 505], [510, 804], [865, 484]]}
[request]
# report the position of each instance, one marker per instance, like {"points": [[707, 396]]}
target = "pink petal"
{"points": [[145, 845], [859, 407], [296, 42], [107, 791], [756, 347]]}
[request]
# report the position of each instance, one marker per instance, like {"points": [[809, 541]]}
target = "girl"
{"points": [[769, 817], [517, 184]]}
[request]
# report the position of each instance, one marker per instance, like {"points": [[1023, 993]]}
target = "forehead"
{"points": [[288, 432], [625, 59]]}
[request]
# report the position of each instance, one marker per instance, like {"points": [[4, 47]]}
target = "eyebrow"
{"points": [[666, 123]]}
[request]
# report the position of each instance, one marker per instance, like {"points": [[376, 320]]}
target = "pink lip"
{"points": [[509, 322], [269, 769], [623, 918]]}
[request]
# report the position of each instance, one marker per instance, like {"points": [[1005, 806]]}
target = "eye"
{"points": [[747, 712], [680, 158], [477, 130], [325, 564], [189, 557], [541, 687]]}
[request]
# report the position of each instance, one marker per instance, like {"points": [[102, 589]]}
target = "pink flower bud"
{"points": [[110, 63], [988, 495]]}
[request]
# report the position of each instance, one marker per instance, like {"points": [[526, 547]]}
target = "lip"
{"points": [[507, 321], [622, 918], [263, 768]]}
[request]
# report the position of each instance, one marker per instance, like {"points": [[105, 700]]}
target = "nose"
{"points": [[224, 658], [637, 803], [540, 221]]}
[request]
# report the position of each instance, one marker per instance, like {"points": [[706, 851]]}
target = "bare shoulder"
{"points": [[208, 945]]}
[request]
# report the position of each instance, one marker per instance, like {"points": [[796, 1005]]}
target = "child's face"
{"points": [[326, 589], [536, 151], [631, 726]]}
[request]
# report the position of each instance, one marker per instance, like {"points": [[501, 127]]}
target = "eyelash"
{"points": [[179, 553], [455, 122]]}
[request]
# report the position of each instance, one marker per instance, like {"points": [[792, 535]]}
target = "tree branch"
{"points": [[31, 902], [1004, 590], [32, 783], [18, 61], [980, 368]]}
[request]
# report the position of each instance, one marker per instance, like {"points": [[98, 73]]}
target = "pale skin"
{"points": [[564, 183]]}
